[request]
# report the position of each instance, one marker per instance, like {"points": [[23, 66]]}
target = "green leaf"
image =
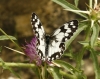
{"points": [[84, 43], [78, 58], [76, 2], [97, 52], [65, 4], [7, 67], [96, 64], [69, 6], [66, 66], [67, 75], [55, 72], [4, 37], [69, 52], [10, 39], [94, 34]]}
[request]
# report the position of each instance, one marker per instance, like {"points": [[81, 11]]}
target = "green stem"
{"points": [[28, 65], [10, 39], [68, 76], [87, 33], [90, 3], [40, 77], [44, 71], [79, 58], [96, 64]]}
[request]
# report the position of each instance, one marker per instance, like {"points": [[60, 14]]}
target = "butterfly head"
{"points": [[47, 38]]}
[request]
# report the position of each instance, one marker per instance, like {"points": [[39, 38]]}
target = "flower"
{"points": [[31, 51]]}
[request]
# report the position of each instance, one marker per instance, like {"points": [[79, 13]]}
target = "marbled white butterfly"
{"points": [[51, 47]]}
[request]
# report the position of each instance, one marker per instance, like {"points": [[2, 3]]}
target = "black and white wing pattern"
{"points": [[39, 32], [56, 45], [60, 36]]}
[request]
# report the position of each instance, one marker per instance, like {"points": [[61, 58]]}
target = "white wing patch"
{"points": [[61, 35], [56, 45]]}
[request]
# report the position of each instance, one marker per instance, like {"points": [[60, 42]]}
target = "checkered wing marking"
{"points": [[39, 32], [62, 34], [37, 26]]}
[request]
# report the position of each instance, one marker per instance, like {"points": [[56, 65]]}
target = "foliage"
{"points": [[90, 25]]}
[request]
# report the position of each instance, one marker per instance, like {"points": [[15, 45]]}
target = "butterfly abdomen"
{"points": [[47, 41]]}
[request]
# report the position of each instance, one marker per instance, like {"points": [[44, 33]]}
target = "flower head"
{"points": [[31, 51]]}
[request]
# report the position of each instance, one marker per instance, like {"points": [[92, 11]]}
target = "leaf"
{"points": [[55, 72], [97, 52], [78, 58], [76, 2], [94, 34], [77, 11], [10, 39], [66, 66], [65, 4], [71, 70], [4, 37], [95, 63], [7, 67], [84, 43], [68, 75], [69, 6], [69, 52]]}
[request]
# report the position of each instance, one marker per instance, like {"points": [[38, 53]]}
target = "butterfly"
{"points": [[52, 47]]}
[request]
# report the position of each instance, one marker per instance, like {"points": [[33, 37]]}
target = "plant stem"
{"points": [[68, 76], [44, 71], [90, 3], [18, 64], [96, 64], [79, 58], [10, 39], [87, 33]]}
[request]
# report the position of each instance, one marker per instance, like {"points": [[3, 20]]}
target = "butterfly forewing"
{"points": [[58, 38], [61, 35], [66, 31], [39, 32], [37, 26]]}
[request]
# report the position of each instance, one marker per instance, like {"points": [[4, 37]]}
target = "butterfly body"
{"points": [[51, 47], [47, 41]]}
